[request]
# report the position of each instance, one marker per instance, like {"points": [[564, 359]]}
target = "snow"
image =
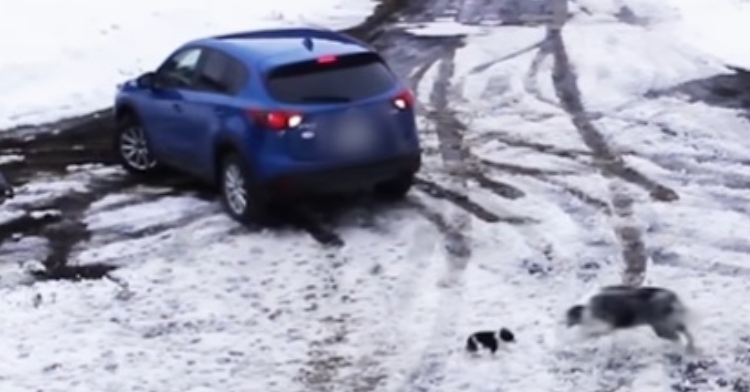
{"points": [[715, 27], [68, 66], [711, 26], [201, 304], [237, 312], [696, 242], [442, 28]]}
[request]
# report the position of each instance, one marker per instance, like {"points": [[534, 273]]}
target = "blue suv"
{"points": [[272, 114]]}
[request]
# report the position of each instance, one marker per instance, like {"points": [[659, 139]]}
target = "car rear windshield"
{"points": [[340, 80]]}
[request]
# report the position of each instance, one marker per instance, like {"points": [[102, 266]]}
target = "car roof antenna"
{"points": [[308, 42]]}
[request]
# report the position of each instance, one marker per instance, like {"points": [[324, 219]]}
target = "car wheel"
{"points": [[242, 200], [132, 148], [396, 188]]}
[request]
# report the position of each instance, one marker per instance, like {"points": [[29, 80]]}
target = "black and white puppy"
{"points": [[622, 307], [489, 340]]}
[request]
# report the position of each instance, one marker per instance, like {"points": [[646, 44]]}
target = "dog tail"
{"points": [[688, 316]]}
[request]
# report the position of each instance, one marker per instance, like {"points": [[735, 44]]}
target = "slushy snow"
{"points": [[208, 306]]}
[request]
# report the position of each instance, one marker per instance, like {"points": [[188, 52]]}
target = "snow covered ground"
{"points": [[68, 56], [200, 304], [711, 26]]}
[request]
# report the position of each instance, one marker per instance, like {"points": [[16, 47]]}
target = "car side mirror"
{"points": [[146, 81]]}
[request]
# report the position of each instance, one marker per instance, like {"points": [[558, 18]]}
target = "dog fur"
{"points": [[623, 307], [490, 340]]}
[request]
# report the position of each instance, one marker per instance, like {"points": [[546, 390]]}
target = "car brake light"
{"points": [[276, 120], [327, 59], [404, 100]]}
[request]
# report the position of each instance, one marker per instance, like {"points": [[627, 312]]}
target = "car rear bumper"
{"points": [[345, 179]]}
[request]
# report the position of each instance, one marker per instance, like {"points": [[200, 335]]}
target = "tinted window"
{"points": [[349, 78], [211, 75], [181, 69], [221, 73], [236, 75]]}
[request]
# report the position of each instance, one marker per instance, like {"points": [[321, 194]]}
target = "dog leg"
{"points": [[596, 330], [667, 332], [493, 348], [690, 344]]}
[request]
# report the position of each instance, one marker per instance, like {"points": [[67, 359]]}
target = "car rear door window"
{"points": [[221, 73], [343, 79], [236, 75]]}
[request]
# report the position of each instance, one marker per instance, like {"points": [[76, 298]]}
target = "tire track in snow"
{"points": [[327, 302], [303, 217], [513, 141], [531, 80], [462, 201], [551, 177], [485, 66], [449, 130], [369, 369], [630, 235], [413, 56], [453, 229], [688, 374], [429, 371], [618, 371], [458, 161], [607, 161], [462, 164], [413, 64], [704, 171], [399, 287]]}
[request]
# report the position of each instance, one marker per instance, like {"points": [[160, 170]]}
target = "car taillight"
{"points": [[327, 59], [276, 120], [404, 100]]}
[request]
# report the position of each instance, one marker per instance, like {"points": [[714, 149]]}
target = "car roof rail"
{"points": [[294, 32]]}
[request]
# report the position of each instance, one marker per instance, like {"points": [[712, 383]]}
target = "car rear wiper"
{"points": [[325, 98]]}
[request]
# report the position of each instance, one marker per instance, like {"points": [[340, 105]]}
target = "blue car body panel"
{"points": [[186, 127]]}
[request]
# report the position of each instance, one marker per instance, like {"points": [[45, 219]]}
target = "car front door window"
{"points": [[180, 71]]}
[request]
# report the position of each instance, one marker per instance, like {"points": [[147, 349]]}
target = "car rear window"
{"points": [[345, 79]]}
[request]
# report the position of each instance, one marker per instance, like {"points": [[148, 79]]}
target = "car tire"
{"points": [[242, 199], [396, 188], [132, 147]]}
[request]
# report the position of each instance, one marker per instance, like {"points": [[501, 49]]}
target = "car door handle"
{"points": [[177, 107]]}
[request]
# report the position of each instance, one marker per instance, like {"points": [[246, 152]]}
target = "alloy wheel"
{"points": [[134, 149], [234, 189]]}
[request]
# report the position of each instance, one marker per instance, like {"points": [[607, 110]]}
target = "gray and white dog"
{"points": [[623, 307]]}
